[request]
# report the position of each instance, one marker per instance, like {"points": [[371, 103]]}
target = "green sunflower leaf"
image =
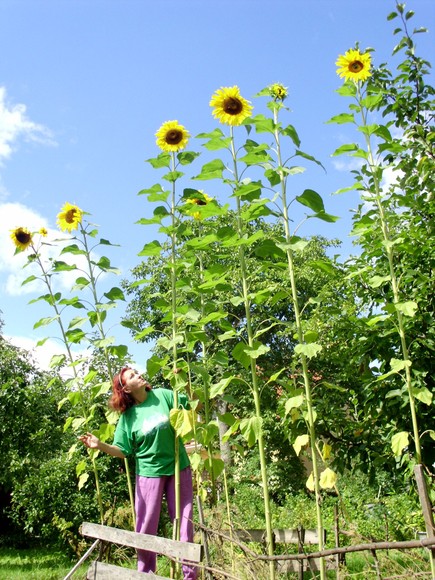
{"points": [[263, 124], [162, 160], [408, 308], [115, 294], [45, 321], [309, 350], [291, 132], [211, 170], [187, 157], [399, 442], [73, 249], [62, 266], [343, 118], [347, 148], [154, 248], [155, 193], [251, 429], [311, 199]]}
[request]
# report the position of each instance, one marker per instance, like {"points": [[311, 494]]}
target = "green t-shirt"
{"points": [[144, 431]]}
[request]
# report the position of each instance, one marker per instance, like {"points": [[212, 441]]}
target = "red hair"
{"points": [[120, 400]]}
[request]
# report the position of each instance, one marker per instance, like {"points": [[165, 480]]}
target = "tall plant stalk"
{"points": [[109, 365], [254, 376], [54, 301], [301, 340], [388, 244], [173, 264]]}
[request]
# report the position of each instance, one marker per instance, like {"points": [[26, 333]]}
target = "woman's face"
{"points": [[133, 382]]}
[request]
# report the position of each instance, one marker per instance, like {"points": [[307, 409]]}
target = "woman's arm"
{"points": [[93, 442]]}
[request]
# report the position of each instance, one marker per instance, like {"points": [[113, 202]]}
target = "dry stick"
{"points": [[407, 544], [82, 559]]}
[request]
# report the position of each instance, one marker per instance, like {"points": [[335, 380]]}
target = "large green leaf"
{"points": [[311, 199]]}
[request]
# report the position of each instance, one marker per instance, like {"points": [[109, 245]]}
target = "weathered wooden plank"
{"points": [[102, 571], [282, 536], [424, 501], [172, 548], [293, 565]]}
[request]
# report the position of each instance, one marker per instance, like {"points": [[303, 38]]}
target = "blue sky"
{"points": [[85, 84]]}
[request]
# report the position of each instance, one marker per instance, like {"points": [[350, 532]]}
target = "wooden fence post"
{"points": [[427, 509]]}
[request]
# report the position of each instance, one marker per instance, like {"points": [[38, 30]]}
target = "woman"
{"points": [[144, 431]]}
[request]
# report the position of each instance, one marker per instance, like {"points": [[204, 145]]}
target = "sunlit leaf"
{"points": [[300, 441], [251, 429], [399, 442], [328, 479]]}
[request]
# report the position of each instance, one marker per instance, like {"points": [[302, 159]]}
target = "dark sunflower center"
{"points": [[197, 201], [23, 237], [232, 106], [356, 66], [173, 137], [70, 216]]}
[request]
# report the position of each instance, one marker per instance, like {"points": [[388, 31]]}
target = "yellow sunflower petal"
{"points": [[229, 107], [278, 91], [354, 65], [69, 218], [22, 238], [172, 137]]}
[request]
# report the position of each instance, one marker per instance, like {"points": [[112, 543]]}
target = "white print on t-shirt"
{"points": [[152, 423]]}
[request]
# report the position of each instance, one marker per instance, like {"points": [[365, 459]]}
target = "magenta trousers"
{"points": [[148, 502]]}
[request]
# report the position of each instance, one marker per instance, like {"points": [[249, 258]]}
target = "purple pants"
{"points": [[148, 502]]}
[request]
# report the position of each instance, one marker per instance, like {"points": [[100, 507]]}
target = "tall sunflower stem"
{"points": [[176, 531], [110, 373], [303, 358], [254, 376], [389, 249], [207, 416], [65, 341]]}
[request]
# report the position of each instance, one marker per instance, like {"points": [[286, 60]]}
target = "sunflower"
{"points": [[22, 238], [354, 66], [69, 217], [172, 137], [203, 200], [230, 108], [43, 232], [278, 91]]}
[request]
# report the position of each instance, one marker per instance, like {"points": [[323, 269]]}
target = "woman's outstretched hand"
{"points": [[90, 440]]}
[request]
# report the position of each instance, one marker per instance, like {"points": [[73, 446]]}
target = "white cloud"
{"points": [[15, 125], [13, 215], [43, 354], [352, 164]]}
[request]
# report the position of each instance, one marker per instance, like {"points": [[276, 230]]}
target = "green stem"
{"points": [[173, 261], [255, 386], [388, 244], [76, 377], [110, 371], [301, 340], [209, 446]]}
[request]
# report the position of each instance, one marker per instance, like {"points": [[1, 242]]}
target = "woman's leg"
{"points": [[186, 509], [148, 501]]}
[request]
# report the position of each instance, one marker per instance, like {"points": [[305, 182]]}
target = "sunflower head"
{"points": [[22, 238], [43, 232], [69, 218], [354, 65], [200, 199], [229, 107], [172, 137], [278, 91]]}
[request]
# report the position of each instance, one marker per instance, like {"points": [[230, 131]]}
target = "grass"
{"points": [[50, 564], [36, 564]]}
